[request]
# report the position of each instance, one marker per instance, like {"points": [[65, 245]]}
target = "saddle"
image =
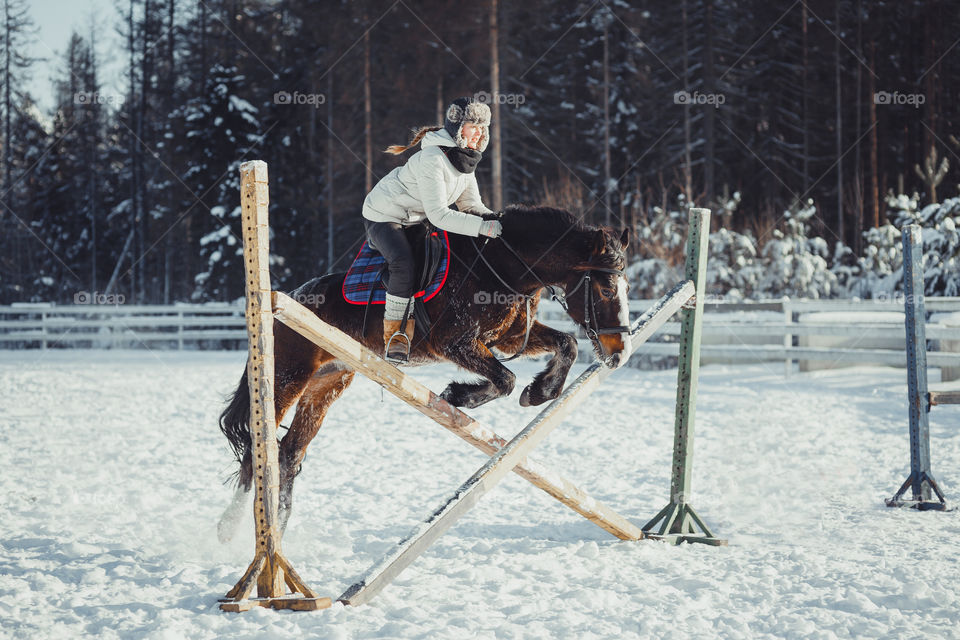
{"points": [[367, 278]]}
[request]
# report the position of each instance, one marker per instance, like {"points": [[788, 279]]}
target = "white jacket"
{"points": [[426, 186]]}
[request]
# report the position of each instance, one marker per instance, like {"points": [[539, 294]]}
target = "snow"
{"points": [[108, 521]]}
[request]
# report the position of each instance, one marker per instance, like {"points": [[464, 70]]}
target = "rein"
{"points": [[526, 299]]}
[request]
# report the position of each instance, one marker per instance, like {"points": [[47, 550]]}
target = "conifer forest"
{"points": [[812, 128]]}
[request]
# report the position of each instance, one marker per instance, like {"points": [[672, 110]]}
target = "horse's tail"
{"points": [[235, 425]]}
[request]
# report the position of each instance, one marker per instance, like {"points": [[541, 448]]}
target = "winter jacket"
{"points": [[426, 186]]}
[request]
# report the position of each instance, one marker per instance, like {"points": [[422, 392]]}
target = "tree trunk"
{"points": [[930, 92], [367, 111], [496, 122], [857, 164], [874, 142], [142, 217], [607, 177], [804, 100], [330, 146], [132, 153], [710, 88], [841, 231], [687, 162], [440, 102], [7, 108]]}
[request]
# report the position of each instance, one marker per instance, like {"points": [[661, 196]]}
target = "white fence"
{"points": [[43, 326], [813, 332]]}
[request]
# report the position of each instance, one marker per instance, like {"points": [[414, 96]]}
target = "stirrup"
{"points": [[397, 358]]}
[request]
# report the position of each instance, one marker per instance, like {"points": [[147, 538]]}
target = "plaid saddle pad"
{"points": [[365, 278]]}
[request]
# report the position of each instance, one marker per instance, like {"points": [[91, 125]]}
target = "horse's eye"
{"points": [[607, 293]]}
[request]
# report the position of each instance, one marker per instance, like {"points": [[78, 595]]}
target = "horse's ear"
{"points": [[625, 238], [599, 241]]}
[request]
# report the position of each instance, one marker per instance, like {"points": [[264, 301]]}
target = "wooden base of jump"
{"points": [[238, 598], [925, 493], [270, 571]]}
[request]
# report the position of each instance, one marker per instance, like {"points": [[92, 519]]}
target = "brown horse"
{"points": [[489, 303]]}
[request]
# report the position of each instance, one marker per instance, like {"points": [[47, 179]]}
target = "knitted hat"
{"points": [[467, 110]]}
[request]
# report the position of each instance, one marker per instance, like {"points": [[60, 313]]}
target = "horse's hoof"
{"points": [[525, 397]]}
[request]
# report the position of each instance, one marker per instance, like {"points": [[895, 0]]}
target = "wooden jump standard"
{"points": [[919, 398], [506, 456], [269, 569]]}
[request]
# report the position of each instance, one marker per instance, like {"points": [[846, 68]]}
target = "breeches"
{"points": [[389, 239]]}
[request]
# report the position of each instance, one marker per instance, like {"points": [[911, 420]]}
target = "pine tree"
{"points": [[220, 128]]}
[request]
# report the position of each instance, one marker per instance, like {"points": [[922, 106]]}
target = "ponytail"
{"points": [[418, 134]]}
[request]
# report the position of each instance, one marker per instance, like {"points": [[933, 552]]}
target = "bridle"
{"points": [[589, 305], [590, 323]]}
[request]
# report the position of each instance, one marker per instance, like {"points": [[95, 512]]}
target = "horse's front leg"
{"points": [[476, 358], [547, 384]]}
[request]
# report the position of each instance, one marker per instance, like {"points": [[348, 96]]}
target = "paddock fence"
{"points": [[813, 333]]}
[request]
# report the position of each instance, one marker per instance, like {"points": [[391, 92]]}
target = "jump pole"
{"points": [[421, 398], [919, 399], [678, 522], [269, 570]]}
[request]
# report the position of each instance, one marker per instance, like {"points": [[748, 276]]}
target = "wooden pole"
{"points": [[678, 521], [490, 474], [269, 569], [920, 480]]}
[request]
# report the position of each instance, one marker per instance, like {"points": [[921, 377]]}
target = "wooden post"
{"points": [[920, 480], [490, 474], [788, 337], [269, 569], [678, 521]]}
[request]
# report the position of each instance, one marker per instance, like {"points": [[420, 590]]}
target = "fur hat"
{"points": [[467, 110]]}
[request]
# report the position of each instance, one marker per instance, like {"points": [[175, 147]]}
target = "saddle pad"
{"points": [[364, 275]]}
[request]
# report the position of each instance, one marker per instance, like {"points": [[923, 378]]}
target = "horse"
{"points": [[488, 304]]}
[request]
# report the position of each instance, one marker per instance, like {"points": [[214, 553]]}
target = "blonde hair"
{"points": [[418, 134]]}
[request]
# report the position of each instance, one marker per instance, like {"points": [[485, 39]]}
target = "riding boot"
{"points": [[396, 344]]}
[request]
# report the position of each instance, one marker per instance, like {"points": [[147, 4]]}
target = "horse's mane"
{"points": [[545, 224], [538, 217]]}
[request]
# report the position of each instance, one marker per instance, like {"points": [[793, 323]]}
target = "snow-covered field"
{"points": [[114, 485]]}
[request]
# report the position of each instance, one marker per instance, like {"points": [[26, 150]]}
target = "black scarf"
{"points": [[463, 160]]}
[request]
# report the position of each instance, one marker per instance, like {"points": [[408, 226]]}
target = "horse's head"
{"points": [[596, 295]]}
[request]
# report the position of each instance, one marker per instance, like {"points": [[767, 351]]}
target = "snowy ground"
{"points": [[107, 520]]}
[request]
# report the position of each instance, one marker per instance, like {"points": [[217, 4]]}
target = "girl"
{"points": [[440, 174]]}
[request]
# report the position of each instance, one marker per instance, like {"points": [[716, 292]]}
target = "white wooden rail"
{"points": [[743, 324], [223, 326]]}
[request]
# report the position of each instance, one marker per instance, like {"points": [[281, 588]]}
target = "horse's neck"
{"points": [[545, 267]]}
